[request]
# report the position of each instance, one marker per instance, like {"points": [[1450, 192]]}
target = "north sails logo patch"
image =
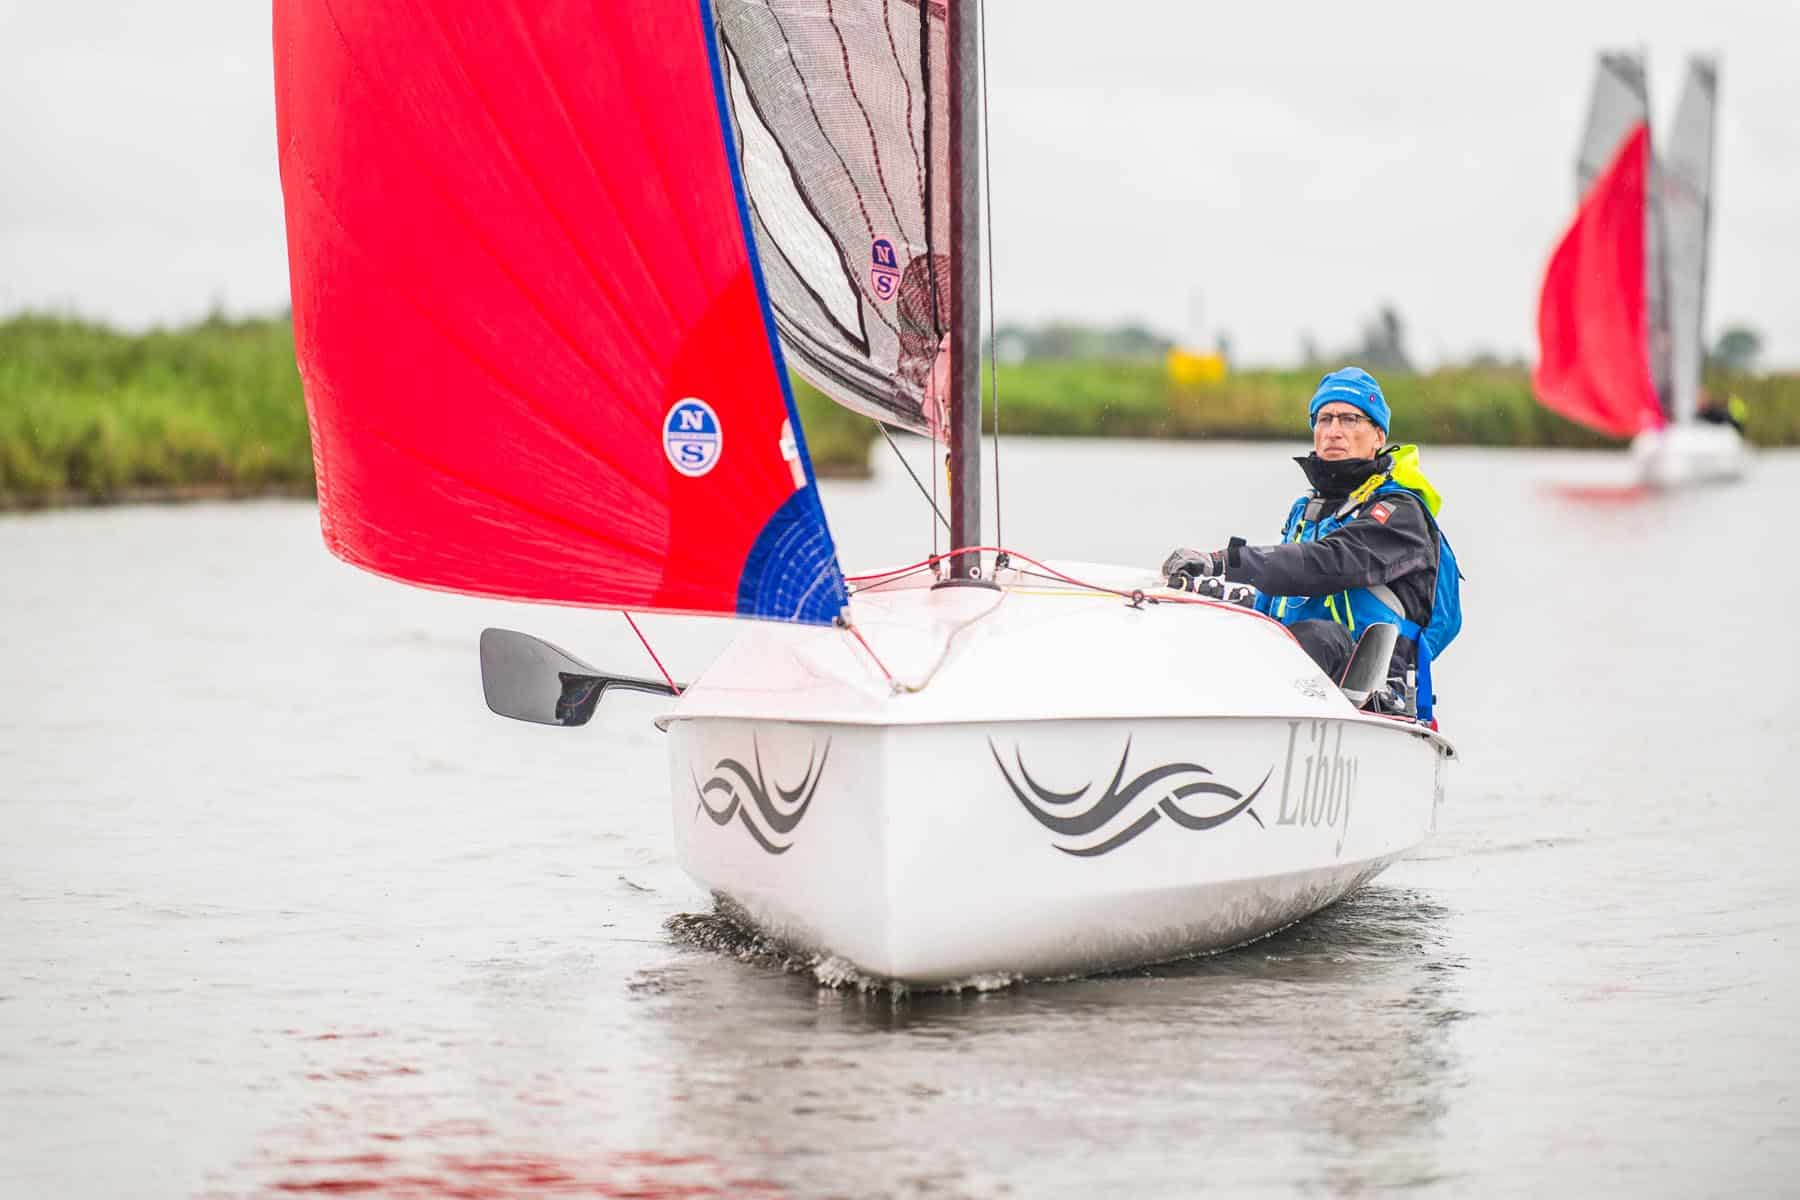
{"points": [[692, 437], [884, 269], [1381, 511]]}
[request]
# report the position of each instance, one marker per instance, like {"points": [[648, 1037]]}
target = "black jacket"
{"points": [[1397, 547]]}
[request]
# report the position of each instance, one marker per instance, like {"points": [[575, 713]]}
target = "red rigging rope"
{"points": [[667, 678], [1136, 598], [1046, 571], [873, 657], [1171, 598]]}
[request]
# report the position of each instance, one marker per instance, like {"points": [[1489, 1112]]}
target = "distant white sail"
{"points": [[1686, 193], [1620, 103]]}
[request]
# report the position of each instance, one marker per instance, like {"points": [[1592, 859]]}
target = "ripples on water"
{"points": [[1374, 925], [286, 912]]}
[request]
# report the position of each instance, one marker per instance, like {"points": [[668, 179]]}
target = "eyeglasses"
{"points": [[1344, 421]]}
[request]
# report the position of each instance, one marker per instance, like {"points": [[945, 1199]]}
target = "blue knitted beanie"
{"points": [[1351, 385]]}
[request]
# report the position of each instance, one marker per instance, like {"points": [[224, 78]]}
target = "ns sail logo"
{"points": [[884, 269], [692, 437]]}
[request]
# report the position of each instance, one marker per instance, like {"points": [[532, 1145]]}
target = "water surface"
{"points": [[285, 911]]}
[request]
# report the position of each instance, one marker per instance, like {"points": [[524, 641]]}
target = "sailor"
{"points": [[1734, 412], [1362, 546]]}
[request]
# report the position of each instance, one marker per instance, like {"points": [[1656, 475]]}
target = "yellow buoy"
{"points": [[1188, 369]]}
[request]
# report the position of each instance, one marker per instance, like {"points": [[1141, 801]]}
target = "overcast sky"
{"points": [[1284, 168]]}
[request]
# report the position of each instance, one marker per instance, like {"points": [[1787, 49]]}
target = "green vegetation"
{"points": [[1481, 406], [87, 413], [215, 409], [837, 438]]}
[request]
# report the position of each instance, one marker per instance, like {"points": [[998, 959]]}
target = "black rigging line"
{"points": [[929, 498]]}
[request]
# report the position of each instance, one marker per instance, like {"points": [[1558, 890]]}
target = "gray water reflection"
{"points": [[1322, 1053]]}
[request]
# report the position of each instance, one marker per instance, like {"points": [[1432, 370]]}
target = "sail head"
{"points": [[1618, 104]]}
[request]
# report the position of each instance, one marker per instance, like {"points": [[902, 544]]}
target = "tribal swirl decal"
{"points": [[1045, 805], [737, 791]]}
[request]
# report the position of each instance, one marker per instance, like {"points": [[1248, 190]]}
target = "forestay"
{"points": [[537, 356]]}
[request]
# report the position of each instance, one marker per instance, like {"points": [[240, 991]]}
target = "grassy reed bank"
{"points": [[214, 409], [87, 413], [1463, 406]]}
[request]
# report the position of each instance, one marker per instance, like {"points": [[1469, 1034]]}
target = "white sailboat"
{"points": [[978, 765], [1688, 448], [1622, 315]]}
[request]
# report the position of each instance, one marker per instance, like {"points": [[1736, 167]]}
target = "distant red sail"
{"points": [[536, 349], [1593, 317]]}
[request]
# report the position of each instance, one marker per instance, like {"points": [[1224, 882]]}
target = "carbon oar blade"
{"points": [[528, 679]]}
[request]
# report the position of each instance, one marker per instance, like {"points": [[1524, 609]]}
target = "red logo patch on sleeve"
{"points": [[1381, 511]]}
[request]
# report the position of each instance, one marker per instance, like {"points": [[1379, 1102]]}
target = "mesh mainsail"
{"points": [[840, 114], [1687, 216]]}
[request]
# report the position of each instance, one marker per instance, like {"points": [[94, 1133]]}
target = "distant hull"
{"points": [[1688, 453], [922, 843]]}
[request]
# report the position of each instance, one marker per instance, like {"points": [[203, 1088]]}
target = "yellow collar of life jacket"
{"points": [[1406, 472]]}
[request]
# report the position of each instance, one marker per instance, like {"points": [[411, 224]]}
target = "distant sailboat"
{"points": [[1621, 315]]}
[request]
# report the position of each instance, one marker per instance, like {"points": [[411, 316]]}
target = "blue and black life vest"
{"points": [[1355, 608]]}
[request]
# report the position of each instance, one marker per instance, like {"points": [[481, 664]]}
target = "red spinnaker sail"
{"points": [[1593, 317], [536, 353]]}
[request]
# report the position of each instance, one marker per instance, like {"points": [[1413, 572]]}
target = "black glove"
{"points": [[1184, 564]]}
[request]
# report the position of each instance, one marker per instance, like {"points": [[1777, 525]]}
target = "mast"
{"points": [[965, 286]]}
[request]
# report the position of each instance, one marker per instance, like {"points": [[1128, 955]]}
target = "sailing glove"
{"points": [[1184, 565]]}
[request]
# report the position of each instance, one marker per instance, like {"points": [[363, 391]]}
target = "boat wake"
{"points": [[726, 930]]}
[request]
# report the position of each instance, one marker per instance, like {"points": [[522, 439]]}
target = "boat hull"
{"points": [[933, 854], [1689, 452], [1039, 779]]}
